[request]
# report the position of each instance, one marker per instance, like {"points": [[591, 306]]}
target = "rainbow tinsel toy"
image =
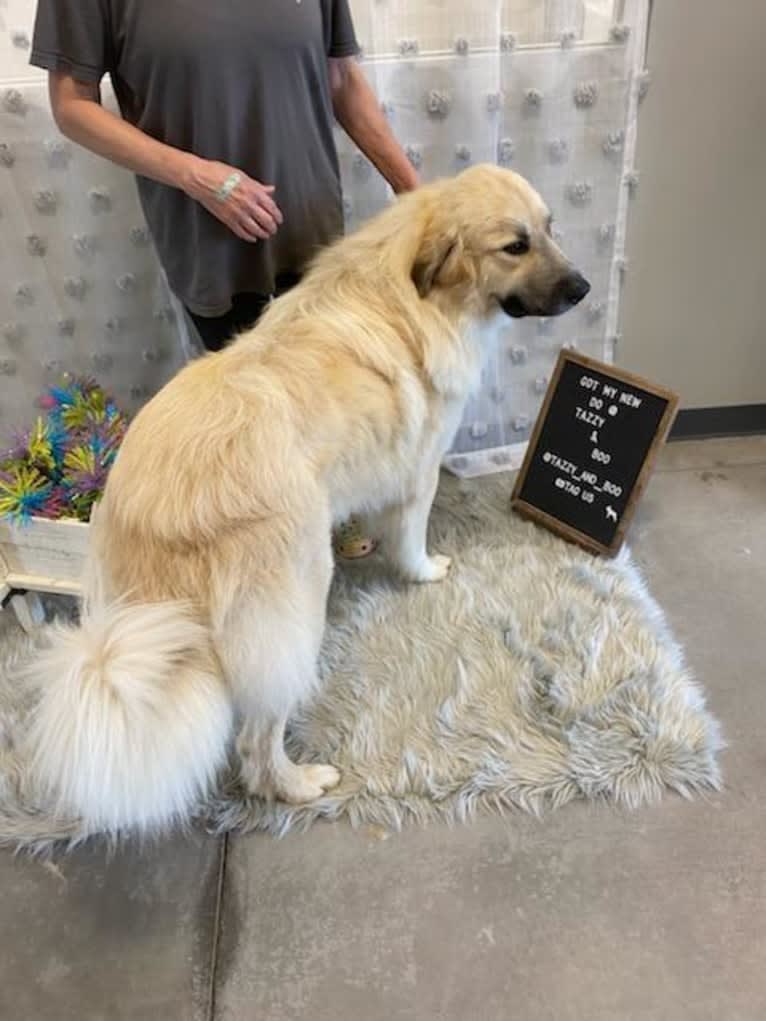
{"points": [[58, 469]]}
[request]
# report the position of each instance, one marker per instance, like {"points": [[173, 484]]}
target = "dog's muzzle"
{"points": [[568, 292]]}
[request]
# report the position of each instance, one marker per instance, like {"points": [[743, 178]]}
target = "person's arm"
{"points": [[359, 114], [249, 211]]}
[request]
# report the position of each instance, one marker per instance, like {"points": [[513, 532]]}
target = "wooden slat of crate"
{"points": [[43, 556]]}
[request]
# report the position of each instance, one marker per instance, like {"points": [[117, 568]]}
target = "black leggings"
{"points": [[246, 309]]}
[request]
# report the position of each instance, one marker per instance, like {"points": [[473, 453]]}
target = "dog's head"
{"points": [[487, 243]]}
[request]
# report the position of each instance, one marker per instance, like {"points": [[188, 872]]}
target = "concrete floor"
{"points": [[590, 915]]}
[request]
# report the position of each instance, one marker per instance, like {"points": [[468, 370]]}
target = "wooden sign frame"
{"points": [[566, 531]]}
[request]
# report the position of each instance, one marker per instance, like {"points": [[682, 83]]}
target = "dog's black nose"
{"points": [[576, 288]]}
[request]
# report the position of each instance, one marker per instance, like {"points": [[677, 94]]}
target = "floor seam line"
{"points": [[217, 922]]}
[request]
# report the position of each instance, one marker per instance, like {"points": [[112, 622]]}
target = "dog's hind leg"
{"points": [[266, 770], [269, 650]]}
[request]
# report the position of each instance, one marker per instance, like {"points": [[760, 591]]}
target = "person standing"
{"points": [[226, 118]]}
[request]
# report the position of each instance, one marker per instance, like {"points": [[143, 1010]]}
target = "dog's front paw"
{"points": [[308, 783], [432, 569]]}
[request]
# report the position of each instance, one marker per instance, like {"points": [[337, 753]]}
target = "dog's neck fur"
{"points": [[455, 368], [444, 335]]}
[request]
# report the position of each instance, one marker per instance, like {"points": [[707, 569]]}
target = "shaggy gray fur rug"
{"points": [[534, 675]]}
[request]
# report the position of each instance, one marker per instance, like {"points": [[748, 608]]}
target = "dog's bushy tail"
{"points": [[130, 726]]}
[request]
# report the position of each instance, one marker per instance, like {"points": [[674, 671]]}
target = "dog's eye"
{"points": [[517, 248]]}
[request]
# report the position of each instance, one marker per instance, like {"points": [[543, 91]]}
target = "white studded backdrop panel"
{"points": [[80, 286], [547, 87]]}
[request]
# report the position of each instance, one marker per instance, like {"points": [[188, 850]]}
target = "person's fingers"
{"points": [[261, 208], [242, 232], [243, 227], [263, 218], [268, 203], [249, 211], [252, 226], [256, 199]]}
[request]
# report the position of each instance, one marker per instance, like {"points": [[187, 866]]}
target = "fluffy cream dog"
{"points": [[211, 557]]}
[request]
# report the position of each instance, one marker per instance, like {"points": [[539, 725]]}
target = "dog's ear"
{"points": [[440, 259]]}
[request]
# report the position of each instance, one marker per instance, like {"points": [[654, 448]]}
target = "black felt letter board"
{"points": [[591, 451]]}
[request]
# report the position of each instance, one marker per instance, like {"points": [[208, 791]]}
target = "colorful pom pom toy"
{"points": [[59, 468]]}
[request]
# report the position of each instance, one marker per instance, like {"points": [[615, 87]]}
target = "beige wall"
{"points": [[694, 309]]}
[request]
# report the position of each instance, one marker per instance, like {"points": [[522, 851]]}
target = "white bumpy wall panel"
{"points": [[548, 88]]}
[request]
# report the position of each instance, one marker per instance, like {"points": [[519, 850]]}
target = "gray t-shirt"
{"points": [[237, 81]]}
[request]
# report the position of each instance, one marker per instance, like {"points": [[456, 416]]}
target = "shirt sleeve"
{"points": [[339, 30], [72, 36]]}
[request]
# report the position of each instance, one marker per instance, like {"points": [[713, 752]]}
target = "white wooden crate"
{"points": [[43, 556]]}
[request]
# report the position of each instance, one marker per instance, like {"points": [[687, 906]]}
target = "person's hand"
{"points": [[249, 209]]}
